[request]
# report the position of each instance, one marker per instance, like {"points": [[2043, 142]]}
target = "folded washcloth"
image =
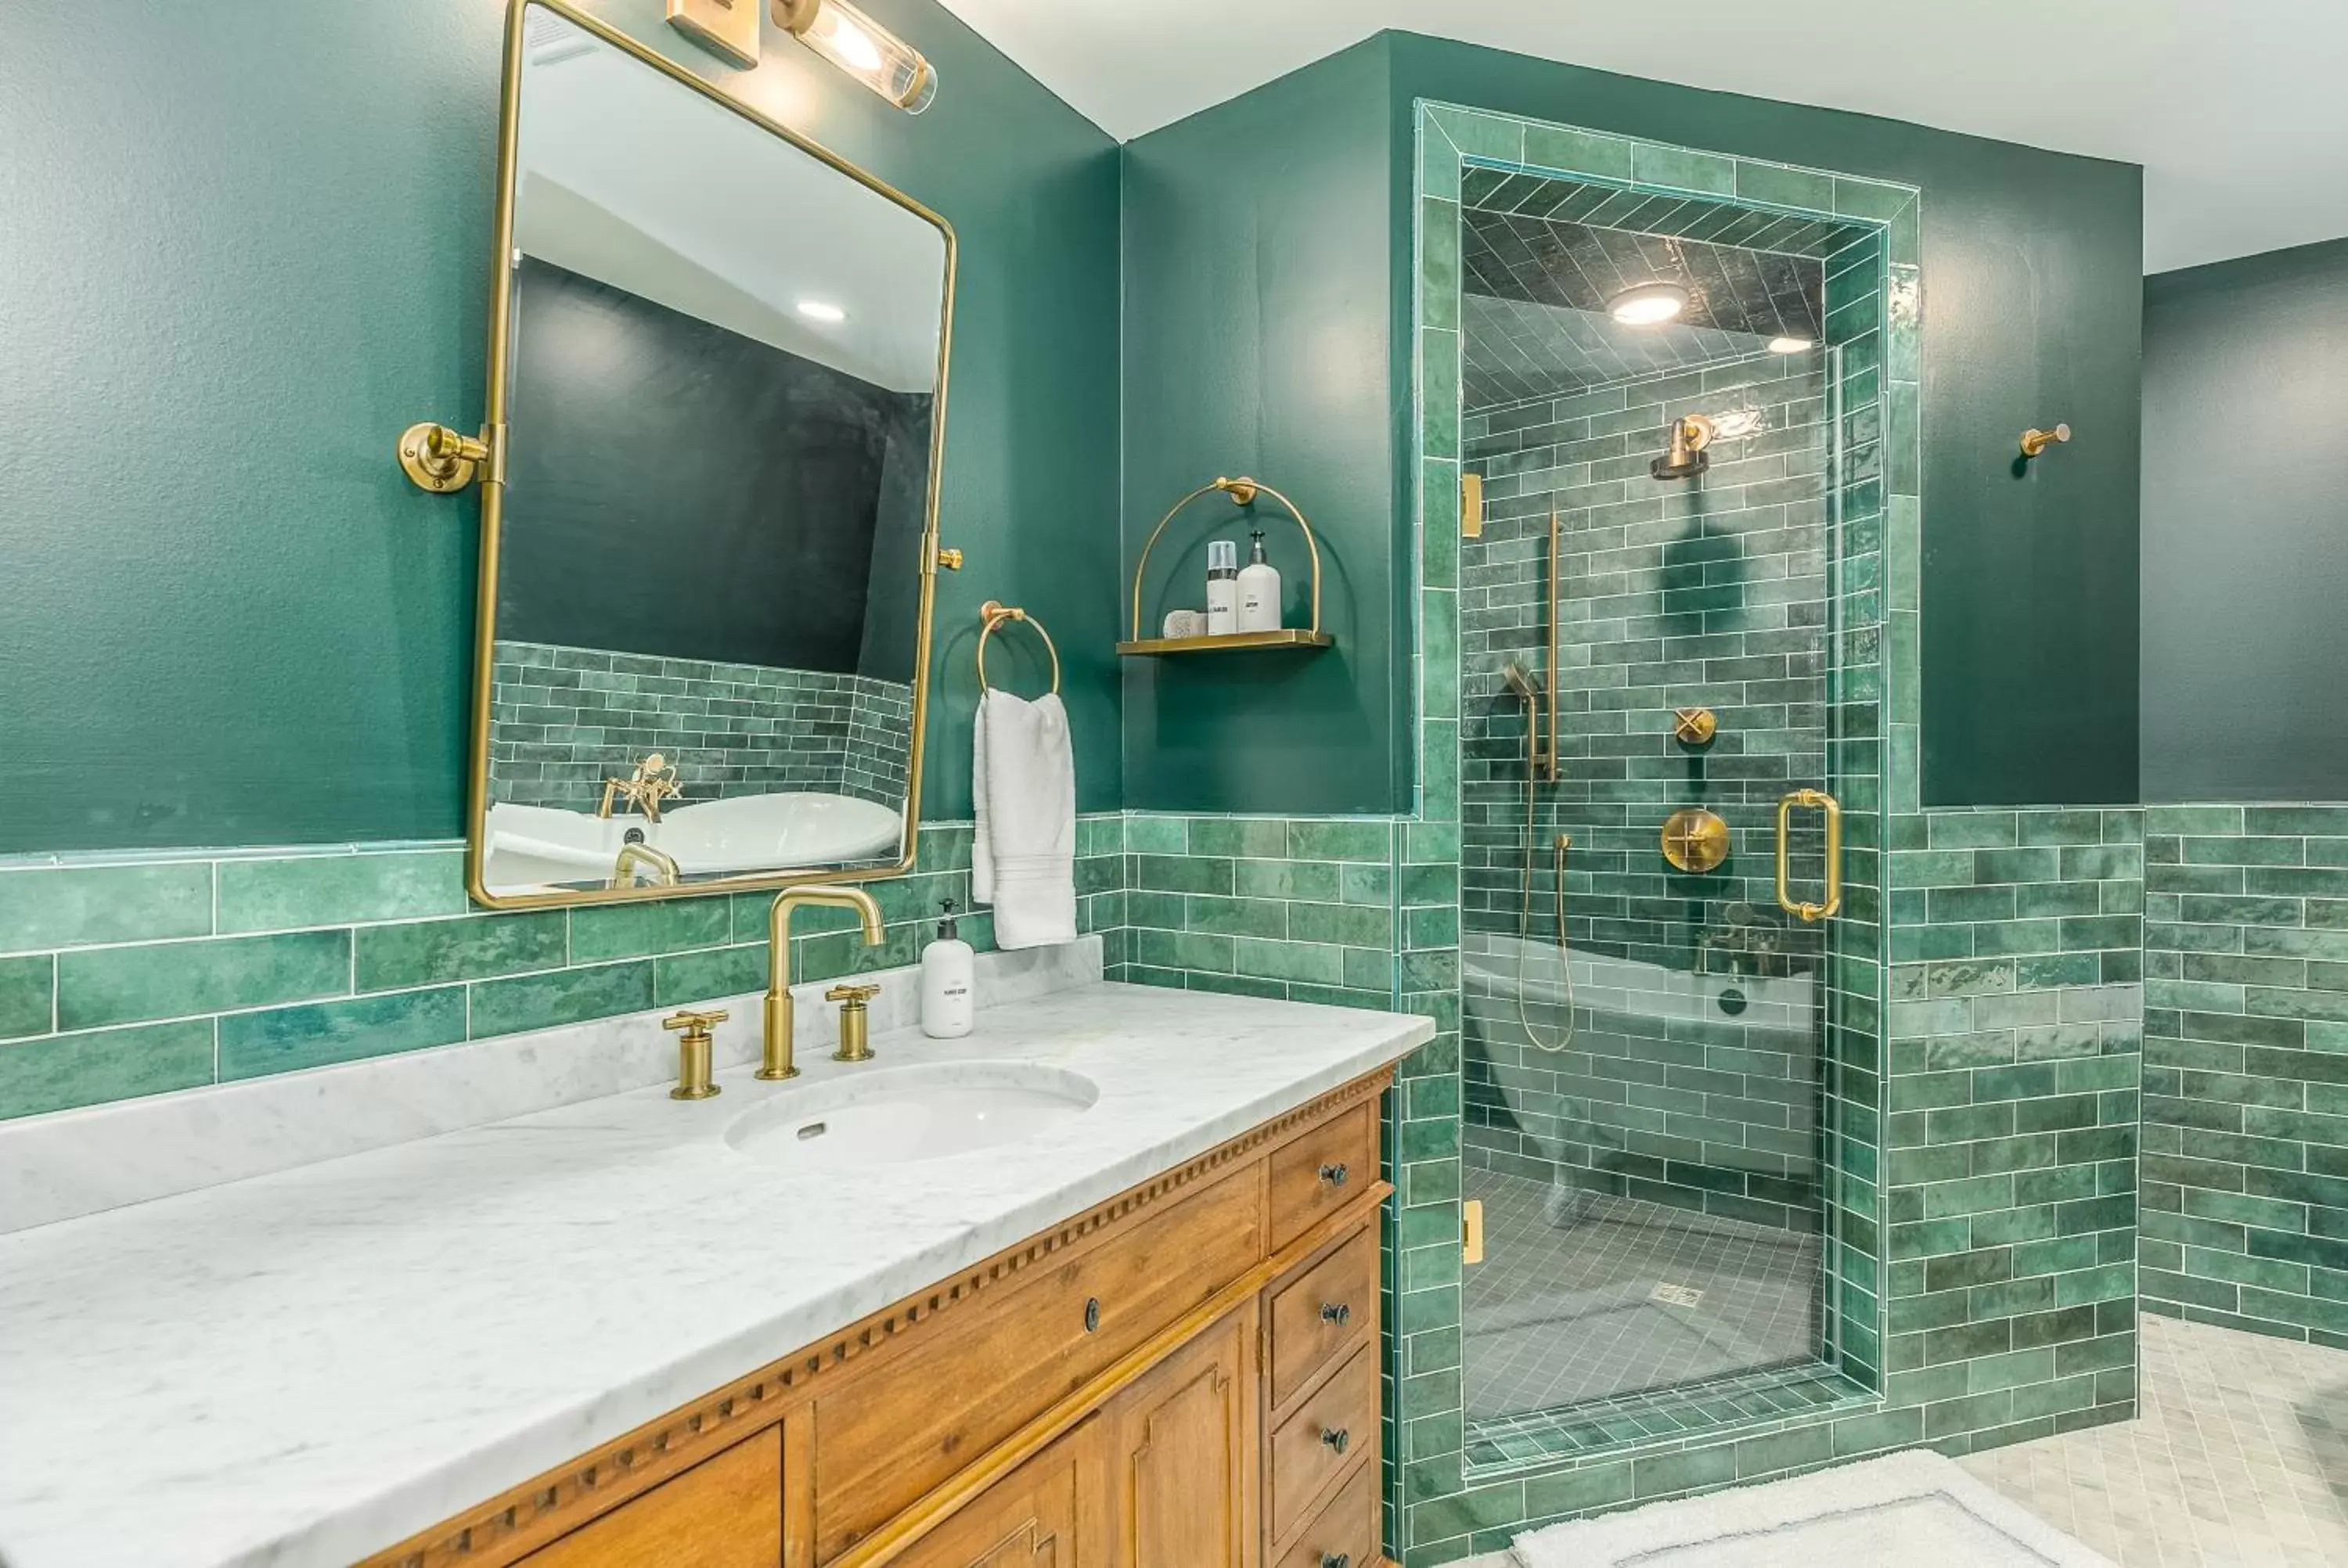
{"points": [[1024, 858]]}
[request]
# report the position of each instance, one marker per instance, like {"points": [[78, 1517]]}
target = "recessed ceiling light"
{"points": [[1648, 303], [821, 310], [1788, 344]]}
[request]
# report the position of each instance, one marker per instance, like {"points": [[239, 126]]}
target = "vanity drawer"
{"points": [[1314, 1445], [1006, 1356], [725, 1513], [1318, 1170], [1346, 1535], [1322, 1311]]}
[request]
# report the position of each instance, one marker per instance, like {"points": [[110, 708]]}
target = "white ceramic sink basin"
{"points": [[531, 847], [898, 1115]]}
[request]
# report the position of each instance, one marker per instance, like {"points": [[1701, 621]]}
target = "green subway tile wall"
{"points": [[567, 719], [120, 979], [2246, 1067]]}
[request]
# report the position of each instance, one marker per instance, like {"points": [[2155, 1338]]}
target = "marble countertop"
{"points": [[304, 1367]]}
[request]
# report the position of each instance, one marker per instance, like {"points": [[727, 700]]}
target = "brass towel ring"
{"points": [[994, 613]]}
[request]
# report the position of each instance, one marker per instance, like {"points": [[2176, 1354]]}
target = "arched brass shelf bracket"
{"points": [[444, 460], [1243, 492]]}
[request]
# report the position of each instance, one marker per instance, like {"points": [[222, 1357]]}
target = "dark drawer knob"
{"points": [[1336, 1560], [1334, 1174], [1337, 1438], [1092, 1314], [1336, 1312]]}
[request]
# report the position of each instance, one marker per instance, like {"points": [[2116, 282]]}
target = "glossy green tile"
{"points": [[682, 978], [635, 930], [27, 996], [60, 1072], [1681, 169], [68, 906], [306, 891], [430, 952], [1237, 837], [1780, 186], [283, 1039], [560, 997], [96, 987], [1571, 151]]}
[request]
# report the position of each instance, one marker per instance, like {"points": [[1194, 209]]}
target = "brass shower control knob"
{"points": [[1695, 726], [1695, 839]]}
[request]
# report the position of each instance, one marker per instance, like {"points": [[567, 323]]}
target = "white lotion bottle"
{"points": [[949, 1006], [1259, 583], [1222, 586]]}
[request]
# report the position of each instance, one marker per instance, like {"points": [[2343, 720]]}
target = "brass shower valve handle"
{"points": [[2035, 441], [1695, 726]]}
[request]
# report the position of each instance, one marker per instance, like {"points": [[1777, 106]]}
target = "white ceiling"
{"points": [[2238, 109]]}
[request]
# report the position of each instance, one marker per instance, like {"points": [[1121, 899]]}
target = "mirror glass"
{"points": [[725, 363]]}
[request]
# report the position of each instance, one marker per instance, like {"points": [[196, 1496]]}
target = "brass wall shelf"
{"points": [[1242, 492], [1228, 641]]}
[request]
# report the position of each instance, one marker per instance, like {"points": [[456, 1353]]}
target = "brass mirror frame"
{"points": [[493, 484]]}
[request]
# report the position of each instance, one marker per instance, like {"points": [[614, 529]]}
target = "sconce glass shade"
{"points": [[863, 49]]}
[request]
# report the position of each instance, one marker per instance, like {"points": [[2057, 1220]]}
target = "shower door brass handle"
{"points": [[1806, 799]]}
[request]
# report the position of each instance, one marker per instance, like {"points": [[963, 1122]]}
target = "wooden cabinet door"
{"points": [[1177, 1460], [1032, 1518], [725, 1513]]}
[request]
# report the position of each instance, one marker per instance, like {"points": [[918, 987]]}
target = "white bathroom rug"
{"points": [[1912, 1510]]}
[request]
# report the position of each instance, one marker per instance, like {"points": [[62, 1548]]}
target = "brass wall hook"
{"points": [[440, 460], [2035, 441]]}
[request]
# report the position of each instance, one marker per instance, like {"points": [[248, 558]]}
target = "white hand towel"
{"points": [[1024, 786]]}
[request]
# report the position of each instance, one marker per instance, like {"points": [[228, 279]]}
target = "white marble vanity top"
{"points": [[302, 1366]]}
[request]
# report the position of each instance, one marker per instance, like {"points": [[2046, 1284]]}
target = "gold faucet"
{"points": [[776, 1062], [653, 782], [662, 865]]}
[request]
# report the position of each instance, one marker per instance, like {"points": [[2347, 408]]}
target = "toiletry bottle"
{"points": [[1222, 586], [947, 1003], [1259, 591]]}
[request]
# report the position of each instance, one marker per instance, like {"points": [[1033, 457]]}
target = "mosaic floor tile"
{"points": [[2240, 1458]]}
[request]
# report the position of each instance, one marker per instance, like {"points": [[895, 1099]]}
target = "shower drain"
{"points": [[1676, 1296]]}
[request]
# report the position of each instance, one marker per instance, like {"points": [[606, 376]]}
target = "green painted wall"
{"points": [[2245, 372], [1243, 228], [245, 245], [1256, 285]]}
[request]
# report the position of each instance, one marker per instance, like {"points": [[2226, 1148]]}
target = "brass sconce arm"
{"points": [[443, 460]]}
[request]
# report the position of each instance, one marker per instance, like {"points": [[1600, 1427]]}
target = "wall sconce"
{"points": [[862, 47]]}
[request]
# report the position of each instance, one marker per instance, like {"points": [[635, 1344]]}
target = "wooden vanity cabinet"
{"points": [[1184, 1376]]}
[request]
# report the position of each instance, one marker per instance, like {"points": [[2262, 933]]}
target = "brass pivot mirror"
{"points": [[708, 474]]}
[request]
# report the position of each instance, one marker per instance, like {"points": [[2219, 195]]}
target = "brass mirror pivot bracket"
{"points": [[949, 559], [444, 461], [694, 1054], [1695, 726], [855, 1023], [2033, 442], [1694, 840]]}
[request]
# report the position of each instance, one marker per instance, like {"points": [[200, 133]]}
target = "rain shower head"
{"points": [[1691, 433]]}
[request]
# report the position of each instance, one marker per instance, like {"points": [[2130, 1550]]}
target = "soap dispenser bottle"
{"points": [[1259, 591], [948, 1005], [1222, 586]]}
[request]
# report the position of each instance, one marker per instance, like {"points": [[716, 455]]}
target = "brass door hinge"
{"points": [[1471, 1231]]}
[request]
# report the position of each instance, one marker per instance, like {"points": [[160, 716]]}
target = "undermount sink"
{"points": [[898, 1115]]}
